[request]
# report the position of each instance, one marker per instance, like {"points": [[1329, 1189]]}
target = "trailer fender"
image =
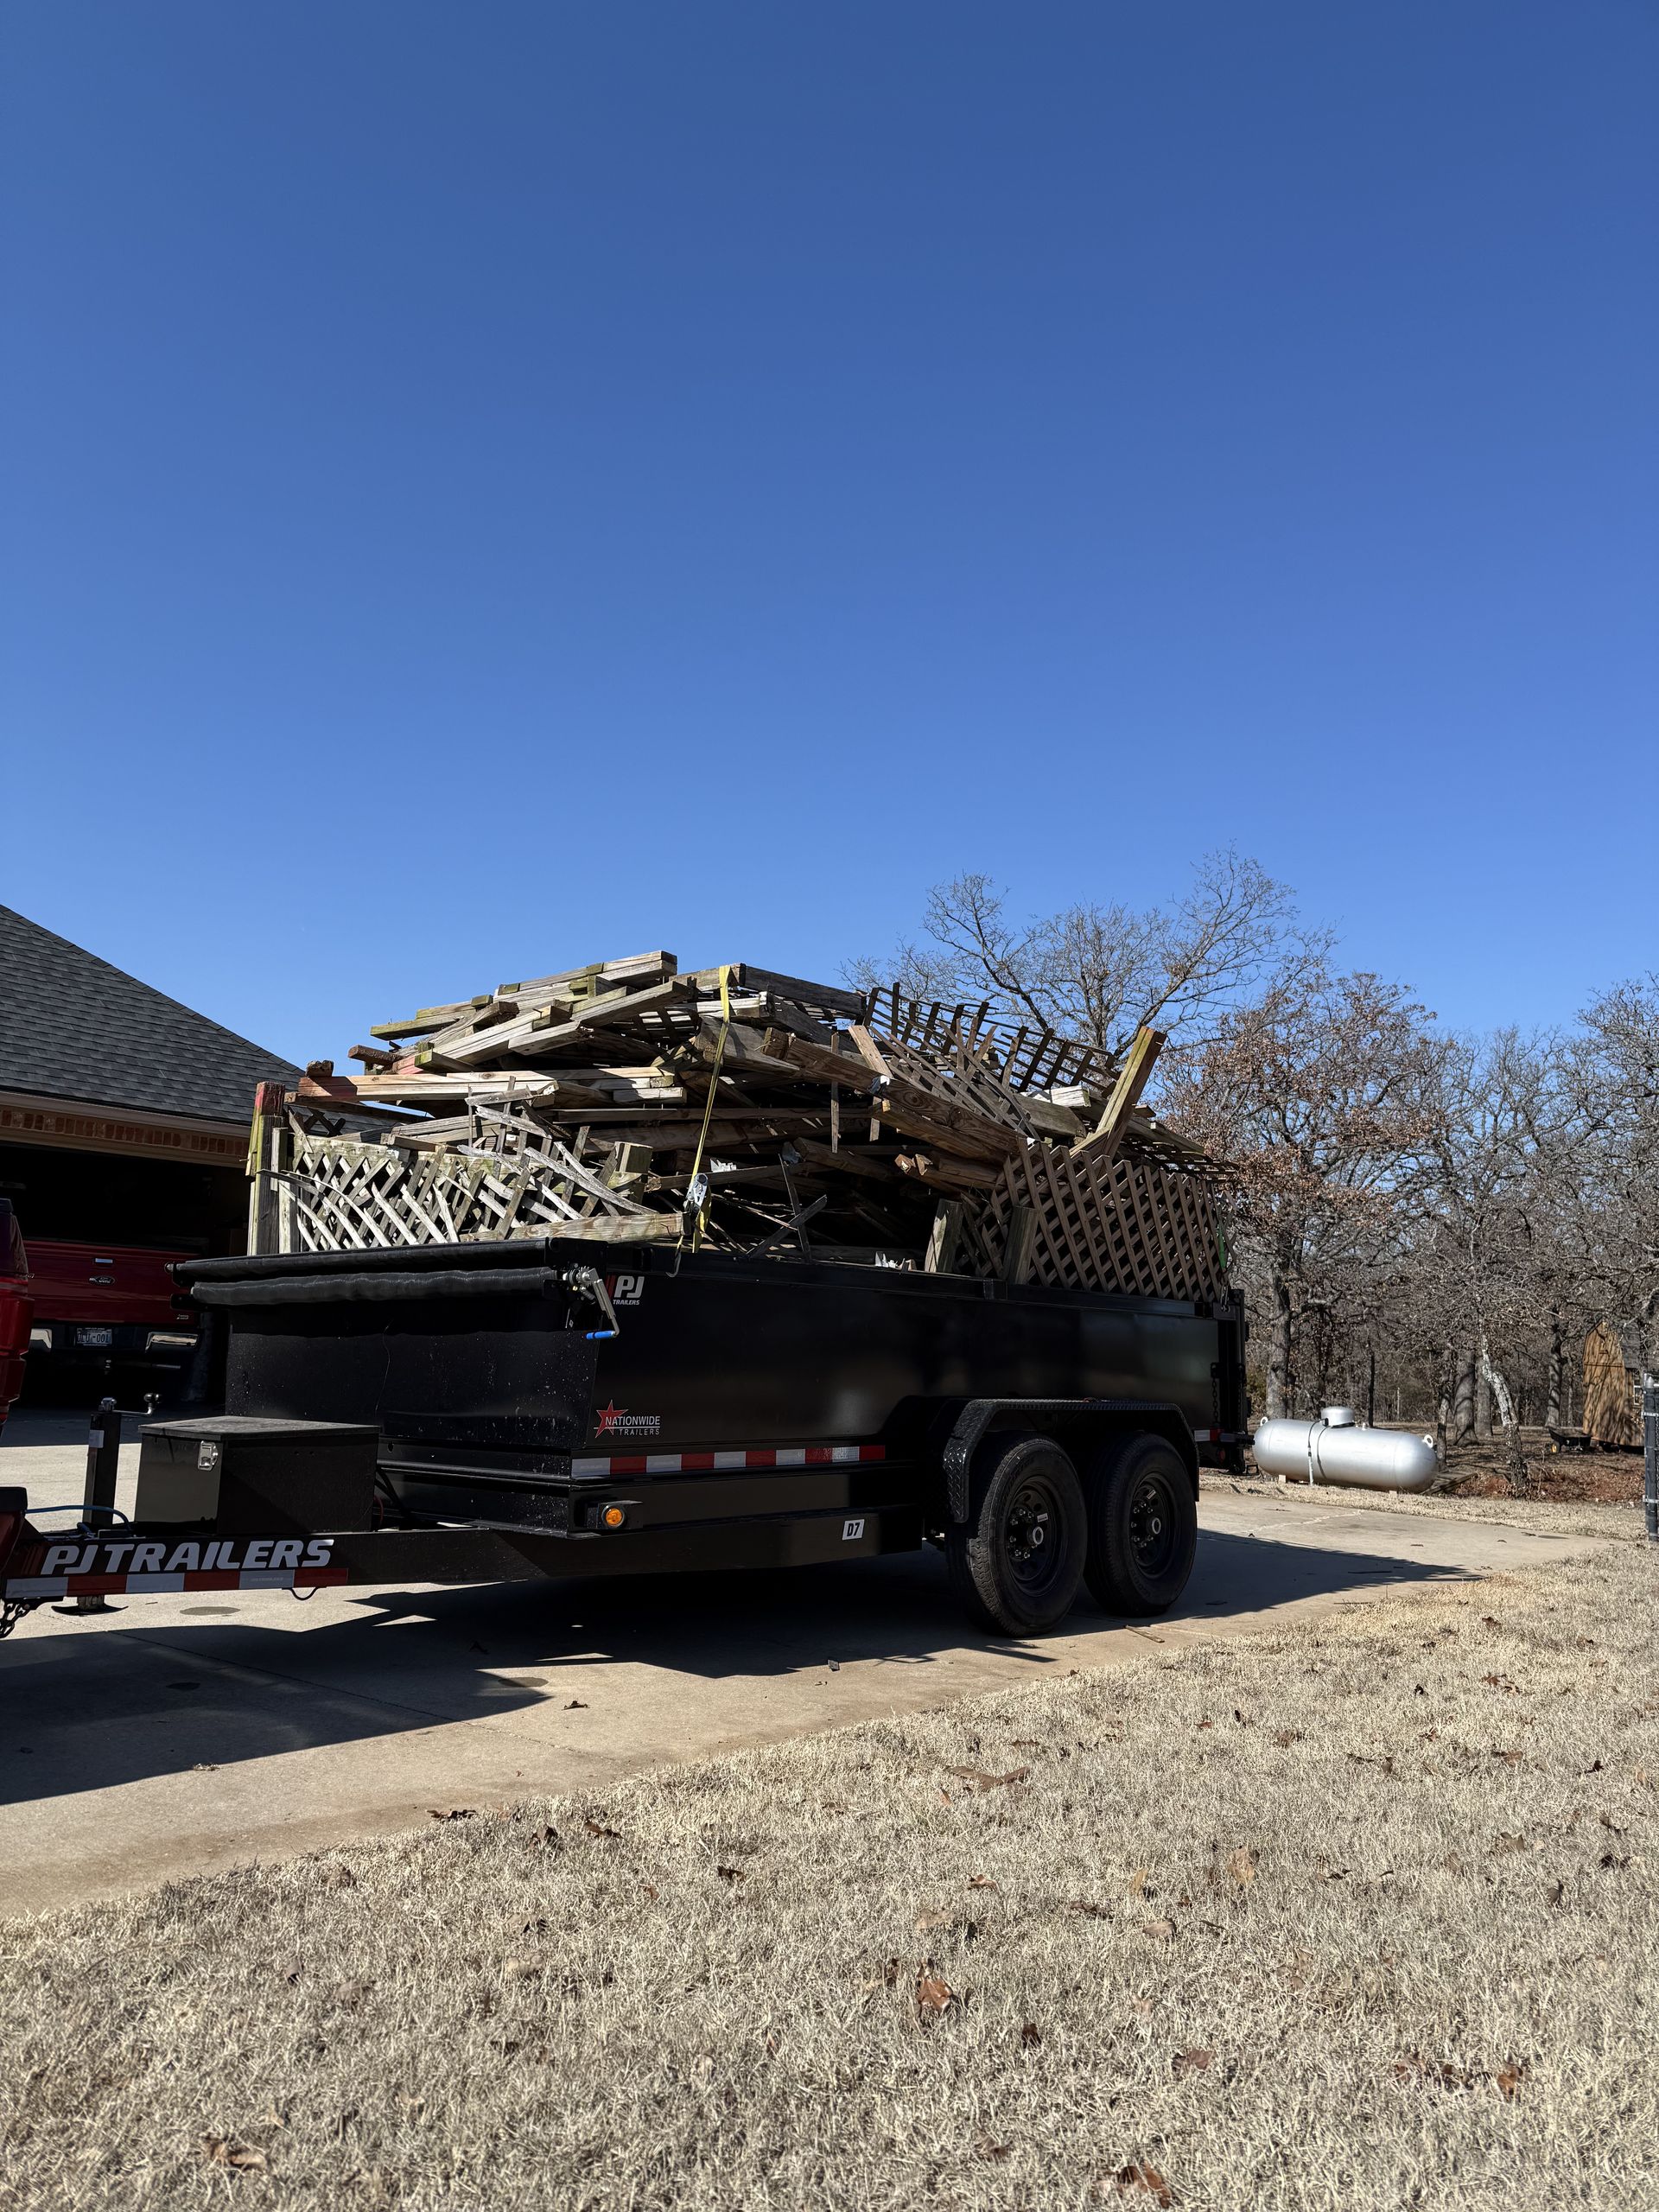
{"points": [[1064, 1418]]}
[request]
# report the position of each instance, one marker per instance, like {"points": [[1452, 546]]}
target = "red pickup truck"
{"points": [[17, 1307], [102, 1306]]}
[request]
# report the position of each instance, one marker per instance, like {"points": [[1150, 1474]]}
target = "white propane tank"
{"points": [[1335, 1449]]}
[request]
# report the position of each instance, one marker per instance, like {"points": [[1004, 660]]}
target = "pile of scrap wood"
{"points": [[738, 1110]]}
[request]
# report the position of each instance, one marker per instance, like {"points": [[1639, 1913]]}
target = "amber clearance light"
{"points": [[614, 1517]]}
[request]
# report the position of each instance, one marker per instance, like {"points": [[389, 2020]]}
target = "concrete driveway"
{"points": [[181, 1734]]}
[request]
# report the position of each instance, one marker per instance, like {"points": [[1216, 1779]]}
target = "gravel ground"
{"points": [[1355, 1915]]}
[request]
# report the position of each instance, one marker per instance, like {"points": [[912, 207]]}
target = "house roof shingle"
{"points": [[72, 1027]]}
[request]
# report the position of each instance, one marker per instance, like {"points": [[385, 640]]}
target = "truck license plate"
{"points": [[95, 1338]]}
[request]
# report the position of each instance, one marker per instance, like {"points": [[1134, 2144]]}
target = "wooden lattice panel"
{"points": [[1032, 1058], [1129, 1224], [344, 1196], [960, 1074]]}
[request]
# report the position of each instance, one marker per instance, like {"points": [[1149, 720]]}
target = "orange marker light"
{"points": [[612, 1516]]}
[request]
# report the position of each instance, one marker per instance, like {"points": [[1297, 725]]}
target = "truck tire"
{"points": [[1143, 1525], [1017, 1564]]}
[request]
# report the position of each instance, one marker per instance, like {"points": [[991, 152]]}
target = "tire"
{"points": [[1017, 1564], [1143, 1526]]}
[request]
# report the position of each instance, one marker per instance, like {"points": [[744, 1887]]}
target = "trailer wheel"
{"points": [[1015, 1567], [1143, 1526]]}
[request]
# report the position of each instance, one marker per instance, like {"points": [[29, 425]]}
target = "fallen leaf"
{"points": [[1031, 2034], [577, 1704], [348, 1995], [1161, 1931], [981, 1780], [1508, 2079], [549, 1839], [205, 1766], [984, 2148], [598, 1828], [924, 1921], [1138, 1882], [944, 1797], [1089, 1911], [1142, 2008], [647, 1889], [1191, 2061], [221, 2150], [1501, 1843], [338, 1877], [1285, 1737], [271, 2117], [730, 1873], [454, 1812], [1596, 1769], [933, 1995], [1138, 2175], [1241, 1865], [1555, 1894], [980, 1881]]}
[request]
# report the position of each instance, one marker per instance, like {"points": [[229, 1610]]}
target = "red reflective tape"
{"points": [[93, 1586], [633, 1464], [820, 1455], [695, 1462], [319, 1577], [215, 1580], [872, 1451], [760, 1459]]}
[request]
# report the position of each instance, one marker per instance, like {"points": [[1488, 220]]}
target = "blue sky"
{"points": [[492, 487]]}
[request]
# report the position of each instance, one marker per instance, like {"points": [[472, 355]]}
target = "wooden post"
{"points": [[265, 1149], [1019, 1253], [1650, 1457], [1132, 1078], [944, 1241]]}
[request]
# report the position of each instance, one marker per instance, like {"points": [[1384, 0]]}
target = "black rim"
{"points": [[1152, 1525], [1033, 1539]]}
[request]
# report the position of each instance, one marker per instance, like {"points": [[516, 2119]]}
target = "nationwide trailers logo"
{"points": [[616, 1421]]}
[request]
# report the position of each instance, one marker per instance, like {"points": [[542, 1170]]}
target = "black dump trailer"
{"points": [[481, 1412]]}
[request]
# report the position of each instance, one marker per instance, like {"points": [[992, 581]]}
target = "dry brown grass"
{"points": [[1359, 1916], [1616, 1522]]}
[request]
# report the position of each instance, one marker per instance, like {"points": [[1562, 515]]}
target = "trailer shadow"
{"points": [[83, 1710]]}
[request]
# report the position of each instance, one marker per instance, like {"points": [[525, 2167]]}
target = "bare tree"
{"points": [[1614, 1072], [1098, 972], [1318, 1103]]}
